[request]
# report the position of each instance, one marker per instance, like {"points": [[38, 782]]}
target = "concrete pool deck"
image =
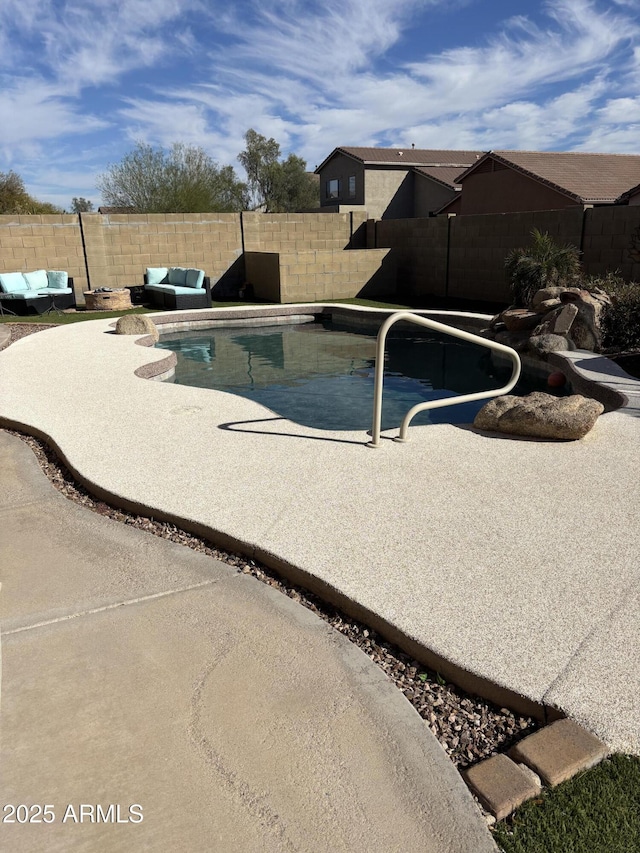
{"points": [[511, 565], [536, 591]]}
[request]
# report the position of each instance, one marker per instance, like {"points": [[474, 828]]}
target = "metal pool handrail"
{"points": [[431, 404]]}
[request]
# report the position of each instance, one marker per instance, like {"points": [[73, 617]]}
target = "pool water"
{"points": [[321, 375]]}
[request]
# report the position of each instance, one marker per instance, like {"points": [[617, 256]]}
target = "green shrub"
{"points": [[621, 321], [543, 264]]}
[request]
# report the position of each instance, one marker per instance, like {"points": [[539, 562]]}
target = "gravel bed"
{"points": [[21, 330], [469, 728]]}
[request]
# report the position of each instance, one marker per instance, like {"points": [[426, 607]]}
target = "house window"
{"points": [[352, 186], [333, 188]]}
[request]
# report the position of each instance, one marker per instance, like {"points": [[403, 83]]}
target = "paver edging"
{"points": [[552, 755]]}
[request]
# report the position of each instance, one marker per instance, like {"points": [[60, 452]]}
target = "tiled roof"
{"points": [[624, 197], [445, 175], [588, 178], [408, 157]]}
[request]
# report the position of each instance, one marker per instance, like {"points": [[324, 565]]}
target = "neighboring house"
{"points": [[631, 196], [514, 181], [391, 183]]}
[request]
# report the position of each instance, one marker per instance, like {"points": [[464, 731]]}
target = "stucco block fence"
{"points": [[462, 257], [310, 256], [321, 275]]}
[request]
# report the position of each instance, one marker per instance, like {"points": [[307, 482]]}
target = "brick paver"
{"points": [[559, 751], [501, 785]]}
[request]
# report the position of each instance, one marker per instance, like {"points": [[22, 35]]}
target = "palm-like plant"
{"points": [[543, 264]]}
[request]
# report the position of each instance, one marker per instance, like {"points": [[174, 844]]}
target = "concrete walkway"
{"points": [[137, 672]]}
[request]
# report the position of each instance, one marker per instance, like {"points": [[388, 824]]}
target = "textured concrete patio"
{"points": [[512, 565]]}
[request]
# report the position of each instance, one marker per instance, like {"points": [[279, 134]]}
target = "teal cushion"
{"points": [[13, 282], [194, 278], [36, 280], [178, 275], [157, 275], [176, 289], [57, 279], [31, 295]]}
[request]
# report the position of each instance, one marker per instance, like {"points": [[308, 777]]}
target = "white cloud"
{"points": [[313, 75], [522, 58], [89, 42], [317, 42], [165, 122], [327, 94], [33, 111]]}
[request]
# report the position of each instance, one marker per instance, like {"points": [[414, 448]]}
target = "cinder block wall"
{"points": [[262, 270], [419, 250], [52, 242], [479, 245], [121, 246], [324, 275], [301, 232], [612, 241], [460, 257]]}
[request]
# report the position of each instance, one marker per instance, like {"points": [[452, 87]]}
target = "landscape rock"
{"points": [[540, 415], [519, 319], [558, 321], [572, 313], [586, 330], [137, 324], [548, 305], [516, 340], [544, 344], [549, 293]]}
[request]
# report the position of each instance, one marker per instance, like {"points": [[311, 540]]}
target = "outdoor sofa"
{"points": [[36, 292], [177, 288]]}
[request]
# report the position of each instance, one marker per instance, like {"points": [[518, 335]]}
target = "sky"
{"points": [[82, 81]]}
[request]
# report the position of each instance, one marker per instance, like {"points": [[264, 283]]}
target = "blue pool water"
{"points": [[320, 375]]}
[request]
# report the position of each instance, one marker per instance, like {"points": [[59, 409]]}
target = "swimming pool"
{"points": [[320, 374]]}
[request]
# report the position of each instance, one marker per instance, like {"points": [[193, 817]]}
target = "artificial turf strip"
{"points": [[79, 316], [74, 317], [597, 812]]}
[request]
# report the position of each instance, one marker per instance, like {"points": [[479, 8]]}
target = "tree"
{"points": [[543, 264], [81, 205], [182, 180], [276, 186], [14, 198]]}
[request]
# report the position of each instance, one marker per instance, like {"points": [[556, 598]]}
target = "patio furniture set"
{"points": [[40, 292], [43, 291]]}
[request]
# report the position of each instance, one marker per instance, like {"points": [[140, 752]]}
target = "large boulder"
{"points": [[516, 340], [558, 322], [540, 415], [137, 324], [550, 294], [586, 331], [520, 319], [543, 344]]}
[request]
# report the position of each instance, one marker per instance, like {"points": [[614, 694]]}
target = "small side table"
{"points": [[107, 300], [52, 307]]}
